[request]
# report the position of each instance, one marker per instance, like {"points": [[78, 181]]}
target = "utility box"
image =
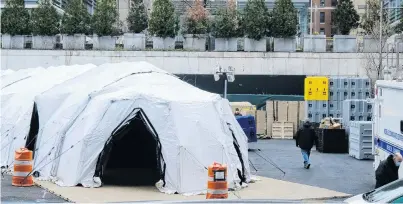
{"points": [[360, 140]]}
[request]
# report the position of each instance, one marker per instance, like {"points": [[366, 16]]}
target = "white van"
{"points": [[387, 126]]}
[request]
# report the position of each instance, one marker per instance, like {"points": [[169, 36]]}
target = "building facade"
{"points": [[322, 17], [361, 8], [393, 9]]}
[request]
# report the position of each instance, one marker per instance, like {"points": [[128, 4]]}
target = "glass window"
{"points": [[385, 193], [322, 17], [334, 3], [322, 3], [322, 31]]}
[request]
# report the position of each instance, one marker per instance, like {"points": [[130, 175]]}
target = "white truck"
{"points": [[387, 124]]}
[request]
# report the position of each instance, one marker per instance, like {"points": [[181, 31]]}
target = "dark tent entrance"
{"points": [[30, 142], [132, 154]]}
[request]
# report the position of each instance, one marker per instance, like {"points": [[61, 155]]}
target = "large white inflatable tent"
{"points": [[8, 78], [6, 72], [17, 104], [137, 121]]}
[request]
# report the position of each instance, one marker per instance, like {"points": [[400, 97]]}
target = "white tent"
{"points": [[140, 115], [6, 72], [69, 100], [22, 74], [17, 103]]}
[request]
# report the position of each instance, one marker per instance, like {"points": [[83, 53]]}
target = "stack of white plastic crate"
{"points": [[360, 140], [340, 89], [356, 110]]}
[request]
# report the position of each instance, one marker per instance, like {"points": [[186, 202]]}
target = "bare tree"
{"points": [[371, 26]]}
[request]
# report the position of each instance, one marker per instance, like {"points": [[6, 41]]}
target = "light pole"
{"points": [[229, 76]]}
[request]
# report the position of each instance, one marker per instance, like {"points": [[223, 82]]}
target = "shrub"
{"points": [[105, 21], [163, 21], [45, 19], [76, 19], [345, 16], [15, 19], [226, 23], [197, 21], [255, 19], [137, 20], [284, 23]]}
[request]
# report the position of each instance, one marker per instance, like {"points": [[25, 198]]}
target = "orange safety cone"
{"points": [[217, 185], [22, 168]]}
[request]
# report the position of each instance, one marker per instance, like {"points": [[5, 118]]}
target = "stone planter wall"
{"points": [[103, 42], [43, 42], [12, 42], [255, 45], [315, 43], [226, 44], [134, 41], [194, 42], [74, 42], [163, 43], [344, 43], [285, 45]]}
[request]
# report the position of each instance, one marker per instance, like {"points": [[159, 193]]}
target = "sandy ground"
{"points": [[265, 188]]}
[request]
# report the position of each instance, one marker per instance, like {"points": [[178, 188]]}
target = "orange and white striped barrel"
{"points": [[217, 185], [22, 168]]}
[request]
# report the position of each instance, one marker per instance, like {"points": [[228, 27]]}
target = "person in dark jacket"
{"points": [[237, 113], [387, 170], [304, 139]]}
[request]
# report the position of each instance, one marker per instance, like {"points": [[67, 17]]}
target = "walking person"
{"points": [[304, 139]]}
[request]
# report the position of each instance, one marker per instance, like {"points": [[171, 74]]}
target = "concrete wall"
{"points": [[268, 63]]}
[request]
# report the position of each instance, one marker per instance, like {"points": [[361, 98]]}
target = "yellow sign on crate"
{"points": [[316, 89]]}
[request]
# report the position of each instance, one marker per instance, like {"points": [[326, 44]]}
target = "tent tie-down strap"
{"points": [[36, 169], [241, 174]]}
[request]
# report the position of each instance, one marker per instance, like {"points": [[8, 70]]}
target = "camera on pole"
{"points": [[227, 73]]}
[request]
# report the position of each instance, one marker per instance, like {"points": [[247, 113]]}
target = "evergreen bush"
{"points": [[45, 19], [163, 20], [197, 21], [15, 18], [76, 19], [255, 19], [345, 17], [137, 20], [105, 21], [284, 23], [226, 23]]}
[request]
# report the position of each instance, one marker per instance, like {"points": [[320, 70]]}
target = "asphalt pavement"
{"points": [[33, 194], [281, 159], [278, 159]]}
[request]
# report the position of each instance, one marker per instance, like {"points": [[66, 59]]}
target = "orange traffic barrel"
{"points": [[23, 168], [217, 185]]}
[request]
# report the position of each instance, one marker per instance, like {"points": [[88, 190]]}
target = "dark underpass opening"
{"points": [[131, 155]]}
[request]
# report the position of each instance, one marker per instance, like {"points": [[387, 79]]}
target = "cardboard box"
{"points": [[261, 122], [282, 111], [293, 113], [269, 117]]}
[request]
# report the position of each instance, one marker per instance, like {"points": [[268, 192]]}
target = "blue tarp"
{"points": [[248, 125]]}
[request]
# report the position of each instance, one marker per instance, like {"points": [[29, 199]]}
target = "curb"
{"points": [[327, 198]]}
